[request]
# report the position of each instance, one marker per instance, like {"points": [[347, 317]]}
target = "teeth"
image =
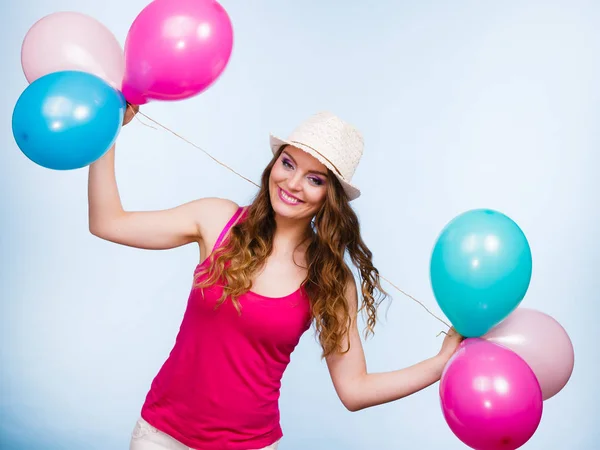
{"points": [[288, 198]]}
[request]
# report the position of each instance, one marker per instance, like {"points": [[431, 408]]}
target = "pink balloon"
{"points": [[176, 49], [72, 41], [490, 397], [542, 342]]}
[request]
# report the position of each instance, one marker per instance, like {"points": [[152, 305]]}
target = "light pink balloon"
{"points": [[542, 342], [72, 41], [490, 397], [176, 49]]}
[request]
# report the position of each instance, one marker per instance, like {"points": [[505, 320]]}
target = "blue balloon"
{"points": [[480, 270], [67, 120]]}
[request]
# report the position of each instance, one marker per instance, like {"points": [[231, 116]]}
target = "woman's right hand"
{"points": [[130, 112], [450, 345]]}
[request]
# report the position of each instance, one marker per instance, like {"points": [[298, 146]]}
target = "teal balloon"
{"points": [[480, 270], [67, 120]]}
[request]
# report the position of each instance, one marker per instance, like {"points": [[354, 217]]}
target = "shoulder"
{"points": [[216, 205], [212, 214]]}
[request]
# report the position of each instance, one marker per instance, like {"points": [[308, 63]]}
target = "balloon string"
{"points": [[250, 181], [415, 300], [199, 148]]}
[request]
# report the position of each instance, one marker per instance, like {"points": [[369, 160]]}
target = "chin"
{"points": [[285, 210]]}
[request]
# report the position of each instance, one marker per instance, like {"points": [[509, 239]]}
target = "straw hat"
{"points": [[335, 143]]}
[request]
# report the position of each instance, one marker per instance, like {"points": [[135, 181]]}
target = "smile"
{"points": [[287, 198]]}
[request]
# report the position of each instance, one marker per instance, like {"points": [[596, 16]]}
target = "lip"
{"points": [[279, 191]]}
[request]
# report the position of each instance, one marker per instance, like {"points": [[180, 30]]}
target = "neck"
{"points": [[289, 233]]}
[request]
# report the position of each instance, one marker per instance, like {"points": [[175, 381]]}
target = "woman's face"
{"points": [[297, 184]]}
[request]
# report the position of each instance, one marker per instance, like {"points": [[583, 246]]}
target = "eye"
{"points": [[316, 181], [287, 163]]}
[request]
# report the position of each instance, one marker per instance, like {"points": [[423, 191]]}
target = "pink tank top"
{"points": [[219, 387]]}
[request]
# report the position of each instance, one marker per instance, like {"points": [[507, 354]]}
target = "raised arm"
{"points": [[156, 230], [358, 389]]}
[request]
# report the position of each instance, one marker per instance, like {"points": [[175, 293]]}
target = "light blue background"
{"points": [[463, 104]]}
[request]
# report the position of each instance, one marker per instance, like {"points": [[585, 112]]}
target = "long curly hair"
{"points": [[333, 232]]}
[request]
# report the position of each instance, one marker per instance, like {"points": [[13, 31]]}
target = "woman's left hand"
{"points": [[450, 344]]}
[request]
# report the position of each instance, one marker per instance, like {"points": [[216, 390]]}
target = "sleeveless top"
{"points": [[219, 387]]}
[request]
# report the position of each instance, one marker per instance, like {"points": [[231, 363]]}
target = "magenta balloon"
{"points": [[490, 397], [72, 41], [542, 342], [176, 49]]}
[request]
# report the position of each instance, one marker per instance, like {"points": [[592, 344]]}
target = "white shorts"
{"points": [[147, 437]]}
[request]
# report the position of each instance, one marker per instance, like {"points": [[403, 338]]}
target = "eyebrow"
{"points": [[312, 171]]}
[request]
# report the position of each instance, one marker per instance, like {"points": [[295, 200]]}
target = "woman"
{"points": [[266, 273]]}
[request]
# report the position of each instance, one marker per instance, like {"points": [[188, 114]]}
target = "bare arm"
{"points": [[162, 229], [359, 389]]}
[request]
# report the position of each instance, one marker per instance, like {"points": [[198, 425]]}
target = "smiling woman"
{"points": [[297, 179], [267, 271]]}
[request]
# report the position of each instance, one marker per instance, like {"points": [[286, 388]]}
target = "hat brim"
{"points": [[352, 191]]}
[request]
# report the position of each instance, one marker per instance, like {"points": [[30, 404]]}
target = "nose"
{"points": [[295, 182]]}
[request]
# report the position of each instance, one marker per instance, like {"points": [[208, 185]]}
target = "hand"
{"points": [[450, 344], [130, 112]]}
